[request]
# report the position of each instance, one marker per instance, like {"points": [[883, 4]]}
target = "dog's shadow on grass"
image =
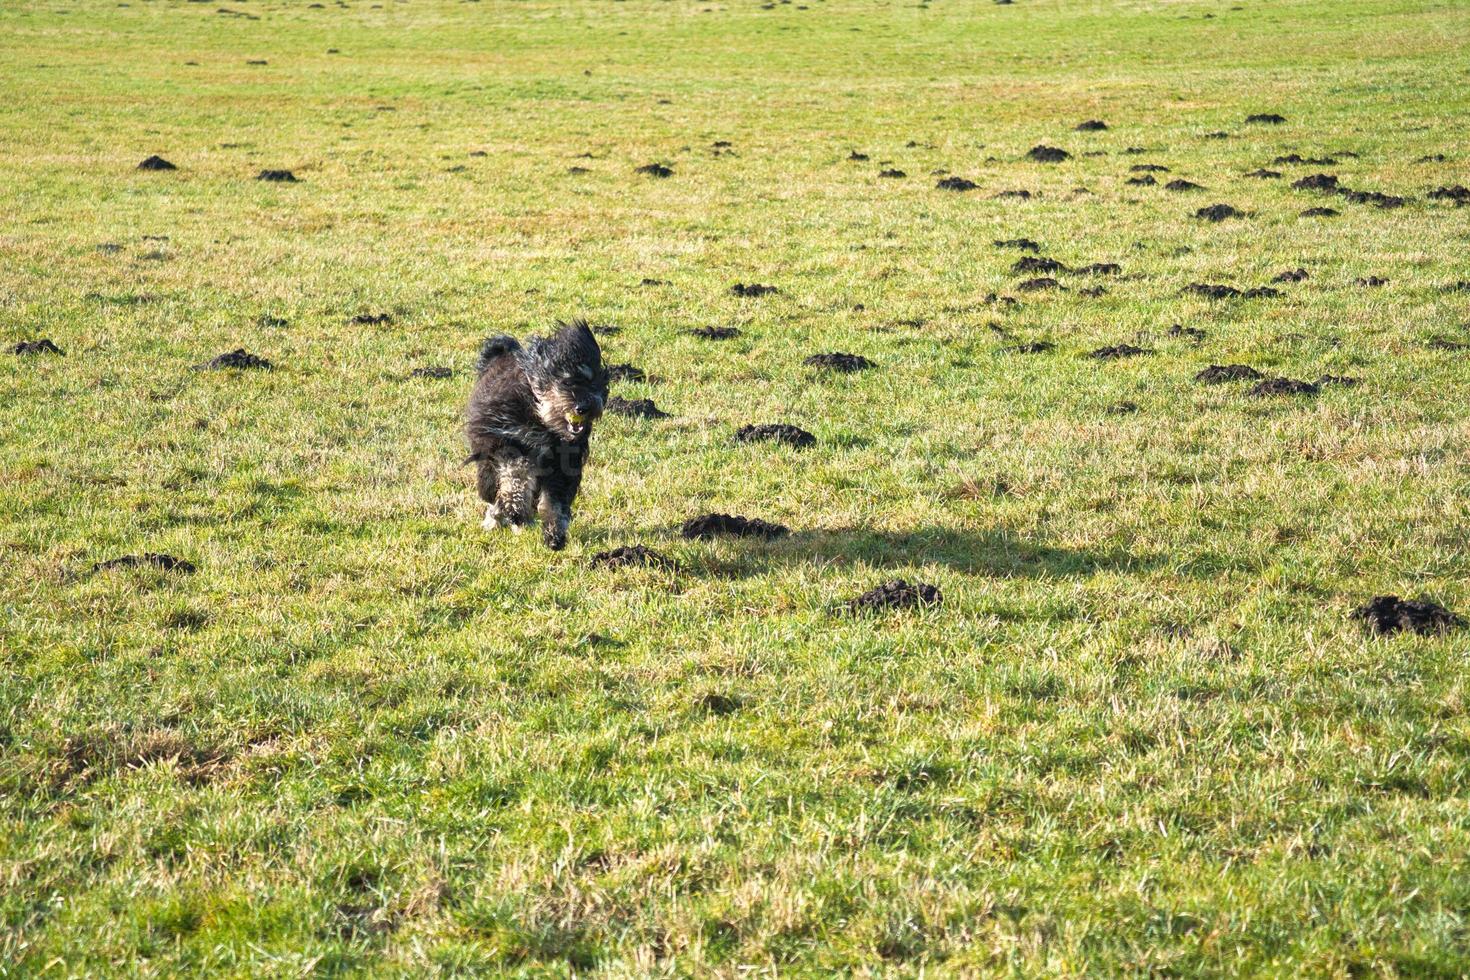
{"points": [[997, 552]]}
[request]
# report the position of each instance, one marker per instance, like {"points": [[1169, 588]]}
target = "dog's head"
{"points": [[568, 379]]}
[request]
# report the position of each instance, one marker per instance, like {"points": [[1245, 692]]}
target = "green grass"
{"points": [[1141, 735]]}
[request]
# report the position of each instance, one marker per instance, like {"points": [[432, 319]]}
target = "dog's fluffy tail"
{"points": [[497, 346]]}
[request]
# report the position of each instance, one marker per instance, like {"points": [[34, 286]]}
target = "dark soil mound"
{"points": [[1091, 126], [1320, 213], [752, 289], [1432, 158], [1375, 198], [855, 155], [776, 432], [638, 408], [277, 176], [239, 358], [1118, 352], [654, 282], [1459, 194], [896, 594], [166, 562], [1291, 275], [1221, 373], [1024, 244], [372, 319], [1283, 386], [1269, 118], [1308, 161], [1017, 195], [1100, 269], [1261, 292], [1338, 381], [1372, 281], [1047, 154], [1264, 174], [839, 362], [434, 372], [1317, 182], [1031, 347], [1036, 263], [1148, 168], [156, 163], [1036, 285], [1218, 212], [715, 333], [1194, 334], [42, 346], [1388, 614], [956, 184], [633, 556], [1092, 292], [1212, 290], [713, 525], [655, 170], [1217, 135], [892, 173], [1145, 180], [625, 372], [1183, 185]]}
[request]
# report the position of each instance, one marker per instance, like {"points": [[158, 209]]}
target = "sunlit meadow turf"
{"points": [[1141, 734]]}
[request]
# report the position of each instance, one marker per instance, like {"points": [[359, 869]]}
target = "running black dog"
{"points": [[529, 421]]}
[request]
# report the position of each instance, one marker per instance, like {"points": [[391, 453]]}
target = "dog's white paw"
{"points": [[492, 518]]}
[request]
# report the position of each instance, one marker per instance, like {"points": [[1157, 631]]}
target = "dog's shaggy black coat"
{"points": [[529, 422]]}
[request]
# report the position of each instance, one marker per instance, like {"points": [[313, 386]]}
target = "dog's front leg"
{"points": [[556, 516]]}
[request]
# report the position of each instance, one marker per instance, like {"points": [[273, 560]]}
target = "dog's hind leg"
{"points": [[514, 496]]}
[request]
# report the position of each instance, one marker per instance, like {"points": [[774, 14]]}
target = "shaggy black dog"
{"points": [[529, 420]]}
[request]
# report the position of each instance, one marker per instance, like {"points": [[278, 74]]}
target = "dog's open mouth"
{"points": [[577, 423]]}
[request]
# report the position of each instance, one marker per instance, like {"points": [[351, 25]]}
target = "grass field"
{"points": [[1142, 733]]}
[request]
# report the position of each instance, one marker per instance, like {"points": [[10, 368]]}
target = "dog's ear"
{"points": [[493, 347]]}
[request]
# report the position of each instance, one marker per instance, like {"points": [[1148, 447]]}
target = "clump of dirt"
{"points": [[776, 432], [1036, 263], [1017, 195], [1091, 126], [1100, 269], [1146, 180], [752, 289], [1317, 182], [42, 346], [1183, 185], [1458, 193], [1308, 161], [1372, 281], [715, 333], [1148, 168], [570, 170], [654, 282], [956, 184], [1291, 275], [633, 556], [1269, 118], [625, 372], [721, 144], [1218, 212], [1217, 135], [1261, 292], [897, 594], [434, 372], [1432, 158], [1338, 381], [1283, 386], [892, 173], [1388, 614], [277, 176], [655, 170], [1042, 153], [156, 162], [1212, 290], [1092, 292], [1374, 197], [1031, 347], [712, 525], [1194, 334], [158, 560], [1221, 373], [1036, 285], [855, 155], [238, 358], [638, 408], [1135, 150], [1320, 213], [845, 363], [605, 329], [372, 319], [1024, 244], [1118, 352], [1264, 174]]}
